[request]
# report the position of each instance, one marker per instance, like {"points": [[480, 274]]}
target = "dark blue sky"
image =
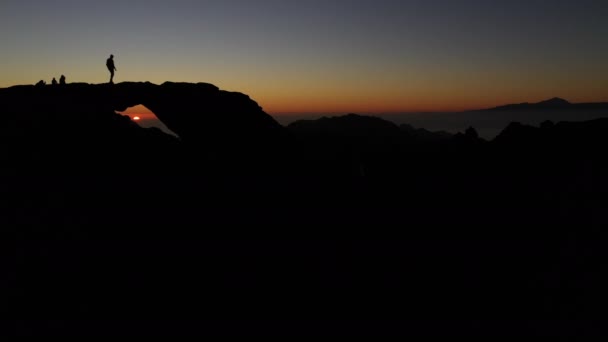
{"points": [[321, 56]]}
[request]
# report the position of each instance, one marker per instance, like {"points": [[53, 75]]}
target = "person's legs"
{"points": [[111, 76]]}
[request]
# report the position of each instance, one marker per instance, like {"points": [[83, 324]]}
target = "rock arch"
{"points": [[199, 112]]}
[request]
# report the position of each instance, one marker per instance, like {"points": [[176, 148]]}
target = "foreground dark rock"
{"points": [[199, 112], [344, 226]]}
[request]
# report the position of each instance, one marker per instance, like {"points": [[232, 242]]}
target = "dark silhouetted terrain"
{"points": [[341, 226], [490, 122]]}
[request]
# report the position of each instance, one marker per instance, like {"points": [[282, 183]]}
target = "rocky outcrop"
{"points": [[65, 147], [199, 113]]}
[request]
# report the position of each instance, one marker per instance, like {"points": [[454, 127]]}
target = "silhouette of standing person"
{"points": [[111, 67], [62, 79], [54, 81]]}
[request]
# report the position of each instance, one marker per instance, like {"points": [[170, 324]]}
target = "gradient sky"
{"points": [[364, 56]]}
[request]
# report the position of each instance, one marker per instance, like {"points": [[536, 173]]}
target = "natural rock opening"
{"points": [[146, 118], [199, 113]]}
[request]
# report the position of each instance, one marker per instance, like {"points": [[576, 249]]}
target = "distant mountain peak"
{"points": [[553, 103], [556, 101]]}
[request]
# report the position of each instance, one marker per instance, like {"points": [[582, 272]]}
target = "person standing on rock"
{"points": [[111, 67]]}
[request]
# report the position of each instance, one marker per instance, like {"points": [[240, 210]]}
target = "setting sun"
{"points": [[136, 118]]}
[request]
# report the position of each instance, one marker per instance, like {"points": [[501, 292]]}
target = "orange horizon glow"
{"points": [[139, 113], [414, 106], [292, 106]]}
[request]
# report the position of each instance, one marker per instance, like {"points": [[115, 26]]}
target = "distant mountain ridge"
{"points": [[489, 122], [362, 127], [555, 103]]}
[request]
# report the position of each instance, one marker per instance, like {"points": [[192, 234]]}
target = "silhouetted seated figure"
{"points": [[40, 83], [54, 81], [111, 67], [62, 79]]}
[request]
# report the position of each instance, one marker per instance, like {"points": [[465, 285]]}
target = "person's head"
{"points": [[111, 56]]}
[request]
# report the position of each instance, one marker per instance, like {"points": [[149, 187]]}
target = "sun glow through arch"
{"points": [[144, 117]]}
